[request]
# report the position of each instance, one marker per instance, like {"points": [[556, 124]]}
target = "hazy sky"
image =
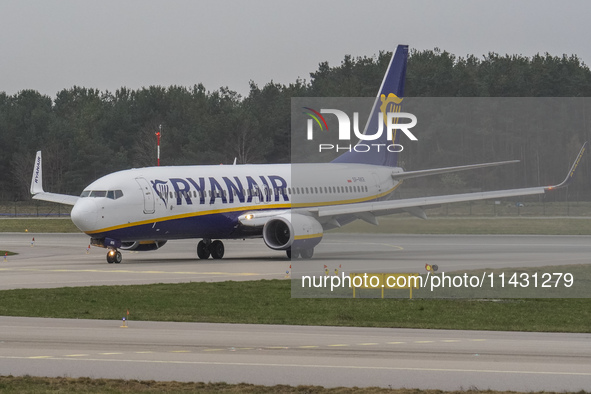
{"points": [[49, 45]]}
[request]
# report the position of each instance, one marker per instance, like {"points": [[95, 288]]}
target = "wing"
{"points": [[328, 215], [365, 211], [37, 187], [368, 211], [58, 198]]}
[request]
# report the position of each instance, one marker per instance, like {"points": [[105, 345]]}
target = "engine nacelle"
{"points": [[292, 231], [142, 246]]}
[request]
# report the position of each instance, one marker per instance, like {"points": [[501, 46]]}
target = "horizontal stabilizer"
{"points": [[444, 170]]}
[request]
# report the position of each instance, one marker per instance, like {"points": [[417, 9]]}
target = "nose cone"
{"points": [[84, 214]]}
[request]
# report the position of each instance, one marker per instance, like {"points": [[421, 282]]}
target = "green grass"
{"points": [[28, 384], [33, 208], [270, 302], [6, 253], [38, 225]]}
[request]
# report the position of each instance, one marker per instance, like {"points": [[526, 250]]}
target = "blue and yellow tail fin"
{"points": [[388, 100]]}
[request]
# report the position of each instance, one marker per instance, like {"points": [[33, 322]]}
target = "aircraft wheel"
{"points": [[114, 256], [203, 250], [307, 253], [217, 249], [292, 253]]}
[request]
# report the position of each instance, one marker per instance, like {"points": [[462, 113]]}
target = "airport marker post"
{"points": [[382, 281], [158, 135], [124, 320]]}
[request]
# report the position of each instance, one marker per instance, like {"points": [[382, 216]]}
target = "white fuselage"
{"points": [[161, 203]]}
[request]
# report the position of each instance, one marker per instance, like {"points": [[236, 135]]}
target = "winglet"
{"points": [[571, 172], [37, 180]]}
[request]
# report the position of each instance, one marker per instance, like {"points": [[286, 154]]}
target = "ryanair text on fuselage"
{"points": [[186, 190]]}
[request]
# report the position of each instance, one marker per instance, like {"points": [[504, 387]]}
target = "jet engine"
{"points": [[292, 231]]}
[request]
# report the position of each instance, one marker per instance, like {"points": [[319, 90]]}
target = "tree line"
{"points": [[86, 133]]}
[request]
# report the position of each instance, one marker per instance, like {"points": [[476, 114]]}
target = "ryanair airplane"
{"points": [[141, 209]]}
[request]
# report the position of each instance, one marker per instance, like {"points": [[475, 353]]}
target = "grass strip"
{"points": [[54, 225], [42, 385], [270, 302], [6, 253]]}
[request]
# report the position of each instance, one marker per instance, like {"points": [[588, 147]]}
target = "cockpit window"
{"points": [[112, 194]]}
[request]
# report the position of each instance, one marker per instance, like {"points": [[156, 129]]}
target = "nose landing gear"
{"points": [[114, 256]]}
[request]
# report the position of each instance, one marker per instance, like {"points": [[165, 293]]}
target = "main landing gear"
{"points": [[207, 247], [305, 254], [114, 256]]}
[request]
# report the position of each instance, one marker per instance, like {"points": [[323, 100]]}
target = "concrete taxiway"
{"points": [[57, 260], [327, 356]]}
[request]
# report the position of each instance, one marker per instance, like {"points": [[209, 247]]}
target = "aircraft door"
{"points": [[149, 203]]}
